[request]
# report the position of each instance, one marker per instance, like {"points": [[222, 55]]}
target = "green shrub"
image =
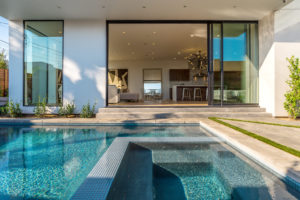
{"points": [[4, 110], [13, 109], [87, 111], [292, 97], [40, 108], [66, 110]]}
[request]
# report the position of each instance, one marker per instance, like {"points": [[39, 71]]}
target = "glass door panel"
{"points": [[239, 63]]}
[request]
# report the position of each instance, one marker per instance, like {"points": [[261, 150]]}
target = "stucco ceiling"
{"points": [[138, 9]]}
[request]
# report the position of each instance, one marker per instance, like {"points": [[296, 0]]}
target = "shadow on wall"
{"points": [[287, 23], [266, 37]]}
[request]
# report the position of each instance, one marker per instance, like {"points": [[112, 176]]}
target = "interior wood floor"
{"points": [[160, 103]]}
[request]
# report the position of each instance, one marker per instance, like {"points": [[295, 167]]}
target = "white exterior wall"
{"points": [[84, 63], [279, 39], [84, 66]]}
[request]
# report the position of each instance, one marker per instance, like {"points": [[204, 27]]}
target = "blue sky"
{"points": [[3, 34], [234, 48]]}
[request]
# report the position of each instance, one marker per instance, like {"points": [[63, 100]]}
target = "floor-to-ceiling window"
{"points": [[43, 54], [191, 73], [235, 63]]}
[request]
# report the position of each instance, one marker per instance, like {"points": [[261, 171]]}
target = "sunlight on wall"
{"points": [[71, 70], [97, 74]]}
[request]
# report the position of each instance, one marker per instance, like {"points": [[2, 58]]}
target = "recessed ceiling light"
{"points": [[123, 32], [192, 35], [154, 32]]}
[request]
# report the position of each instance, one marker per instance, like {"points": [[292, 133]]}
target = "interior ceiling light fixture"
{"points": [[198, 62], [123, 32]]}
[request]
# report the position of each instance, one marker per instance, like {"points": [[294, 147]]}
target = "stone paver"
{"points": [[286, 121], [284, 135]]}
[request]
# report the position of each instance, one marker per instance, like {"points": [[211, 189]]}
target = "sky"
{"points": [[4, 34]]}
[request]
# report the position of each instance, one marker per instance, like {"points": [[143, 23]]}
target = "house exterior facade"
{"points": [[59, 49]]}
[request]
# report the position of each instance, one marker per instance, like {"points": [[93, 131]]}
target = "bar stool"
{"points": [[186, 94], [198, 94]]}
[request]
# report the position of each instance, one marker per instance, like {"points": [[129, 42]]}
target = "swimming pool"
{"points": [[51, 163]]}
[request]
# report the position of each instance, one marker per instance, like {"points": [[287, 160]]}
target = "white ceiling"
{"points": [[138, 9], [156, 41]]}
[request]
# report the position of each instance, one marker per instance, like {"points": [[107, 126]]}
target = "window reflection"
{"points": [[43, 62]]}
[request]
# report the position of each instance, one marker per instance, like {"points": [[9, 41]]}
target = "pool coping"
{"points": [[94, 122], [98, 182]]}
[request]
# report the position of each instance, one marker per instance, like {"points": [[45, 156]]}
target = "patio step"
{"points": [[165, 113]]}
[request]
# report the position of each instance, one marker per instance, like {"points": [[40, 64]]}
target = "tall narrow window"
{"points": [[43, 53]]}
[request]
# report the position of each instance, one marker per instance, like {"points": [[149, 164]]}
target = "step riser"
{"points": [[171, 110], [174, 115]]}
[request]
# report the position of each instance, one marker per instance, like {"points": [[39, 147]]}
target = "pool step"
{"points": [[165, 113]]}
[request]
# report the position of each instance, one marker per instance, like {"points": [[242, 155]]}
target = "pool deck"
{"points": [[284, 164]]}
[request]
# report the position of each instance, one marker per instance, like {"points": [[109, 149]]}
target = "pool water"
{"points": [[51, 163], [194, 171]]}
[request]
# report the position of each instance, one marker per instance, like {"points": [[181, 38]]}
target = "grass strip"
{"points": [[258, 137], [258, 122]]}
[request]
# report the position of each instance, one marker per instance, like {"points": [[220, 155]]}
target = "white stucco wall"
{"points": [[279, 39], [84, 62], [84, 71]]}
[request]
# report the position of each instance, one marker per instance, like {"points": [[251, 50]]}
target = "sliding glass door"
{"points": [[234, 63]]}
